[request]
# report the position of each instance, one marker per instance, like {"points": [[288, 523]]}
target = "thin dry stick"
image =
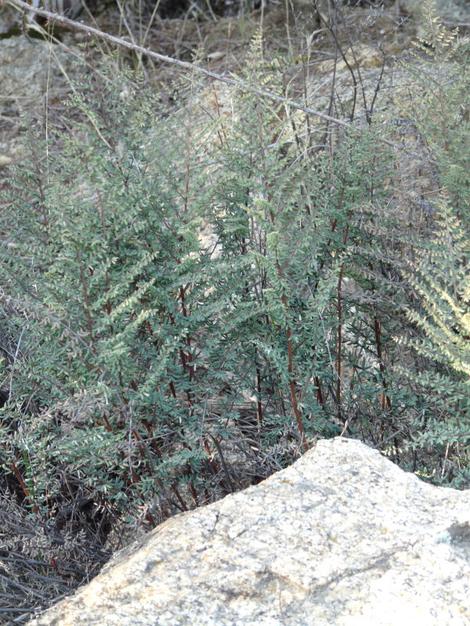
{"points": [[234, 82], [150, 22]]}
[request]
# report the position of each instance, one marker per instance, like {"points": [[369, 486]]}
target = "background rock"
{"points": [[9, 20], [30, 75], [343, 537]]}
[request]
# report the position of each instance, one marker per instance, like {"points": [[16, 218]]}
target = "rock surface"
{"points": [[9, 20], [341, 538], [30, 74]]}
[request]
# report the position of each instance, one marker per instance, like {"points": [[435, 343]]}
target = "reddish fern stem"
{"points": [[339, 344], [23, 486]]}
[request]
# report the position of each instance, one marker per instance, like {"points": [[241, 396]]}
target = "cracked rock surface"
{"points": [[341, 538]]}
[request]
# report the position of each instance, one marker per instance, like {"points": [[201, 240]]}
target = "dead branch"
{"points": [[123, 43]]}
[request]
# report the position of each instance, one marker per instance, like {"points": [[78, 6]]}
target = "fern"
{"points": [[200, 299], [439, 275], [443, 285], [440, 105]]}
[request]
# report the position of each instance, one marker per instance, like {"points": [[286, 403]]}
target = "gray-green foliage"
{"points": [[440, 275], [149, 351], [197, 300], [440, 106], [441, 283]]}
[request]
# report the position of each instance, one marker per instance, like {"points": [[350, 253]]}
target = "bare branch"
{"points": [[123, 43]]}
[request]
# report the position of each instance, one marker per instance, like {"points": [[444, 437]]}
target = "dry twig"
{"points": [[119, 41]]}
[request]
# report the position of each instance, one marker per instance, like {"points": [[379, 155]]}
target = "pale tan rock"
{"points": [[30, 76], [362, 56], [341, 538], [10, 20], [28, 67]]}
